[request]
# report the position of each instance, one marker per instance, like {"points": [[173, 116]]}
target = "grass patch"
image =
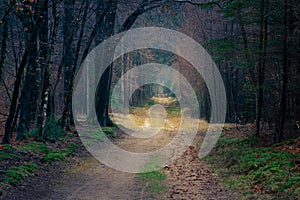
{"points": [[266, 171], [15, 174], [154, 179]]}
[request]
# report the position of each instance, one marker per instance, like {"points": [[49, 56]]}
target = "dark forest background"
{"points": [[255, 43]]}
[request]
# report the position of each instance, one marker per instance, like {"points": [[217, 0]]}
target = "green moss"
{"points": [[108, 131], [4, 155], [17, 173], [94, 134], [73, 147], [70, 150], [270, 169], [35, 148], [8, 147], [154, 179], [51, 131], [54, 156], [66, 152]]}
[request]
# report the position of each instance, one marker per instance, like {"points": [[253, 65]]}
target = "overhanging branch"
{"points": [[199, 3]]}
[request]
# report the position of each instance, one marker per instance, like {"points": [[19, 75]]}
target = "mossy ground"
{"points": [[257, 172], [21, 160], [155, 180]]}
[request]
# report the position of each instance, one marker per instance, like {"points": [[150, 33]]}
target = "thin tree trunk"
{"points": [[285, 74], [4, 41], [68, 64], [27, 92], [14, 101], [261, 63], [46, 107]]}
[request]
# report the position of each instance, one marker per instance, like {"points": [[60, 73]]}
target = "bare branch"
{"points": [[142, 8], [199, 3]]}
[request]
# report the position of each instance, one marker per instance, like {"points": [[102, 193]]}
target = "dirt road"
{"points": [[188, 178]]}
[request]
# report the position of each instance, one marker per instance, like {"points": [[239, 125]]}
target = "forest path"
{"points": [[187, 179]]}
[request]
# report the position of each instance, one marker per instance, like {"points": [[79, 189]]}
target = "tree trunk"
{"points": [[282, 113], [4, 41], [68, 64], [103, 89], [261, 63], [13, 106], [27, 93]]}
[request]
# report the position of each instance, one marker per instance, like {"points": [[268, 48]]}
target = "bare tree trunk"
{"points": [[68, 64], [103, 90], [4, 41], [262, 63], [13, 106], [46, 107], [28, 91], [285, 74]]}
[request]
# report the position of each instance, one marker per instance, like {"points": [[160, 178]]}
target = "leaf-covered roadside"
{"points": [[19, 161], [257, 171]]}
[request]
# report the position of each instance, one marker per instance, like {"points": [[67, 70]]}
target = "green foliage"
{"points": [[94, 134], [35, 148], [66, 152], [8, 147], [154, 179], [4, 155], [60, 155], [73, 147], [70, 151], [173, 112], [54, 156], [17, 173], [108, 131], [249, 167], [116, 100], [51, 131]]}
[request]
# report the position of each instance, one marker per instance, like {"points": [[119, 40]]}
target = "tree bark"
{"points": [[282, 113], [262, 63], [13, 106], [4, 40]]}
